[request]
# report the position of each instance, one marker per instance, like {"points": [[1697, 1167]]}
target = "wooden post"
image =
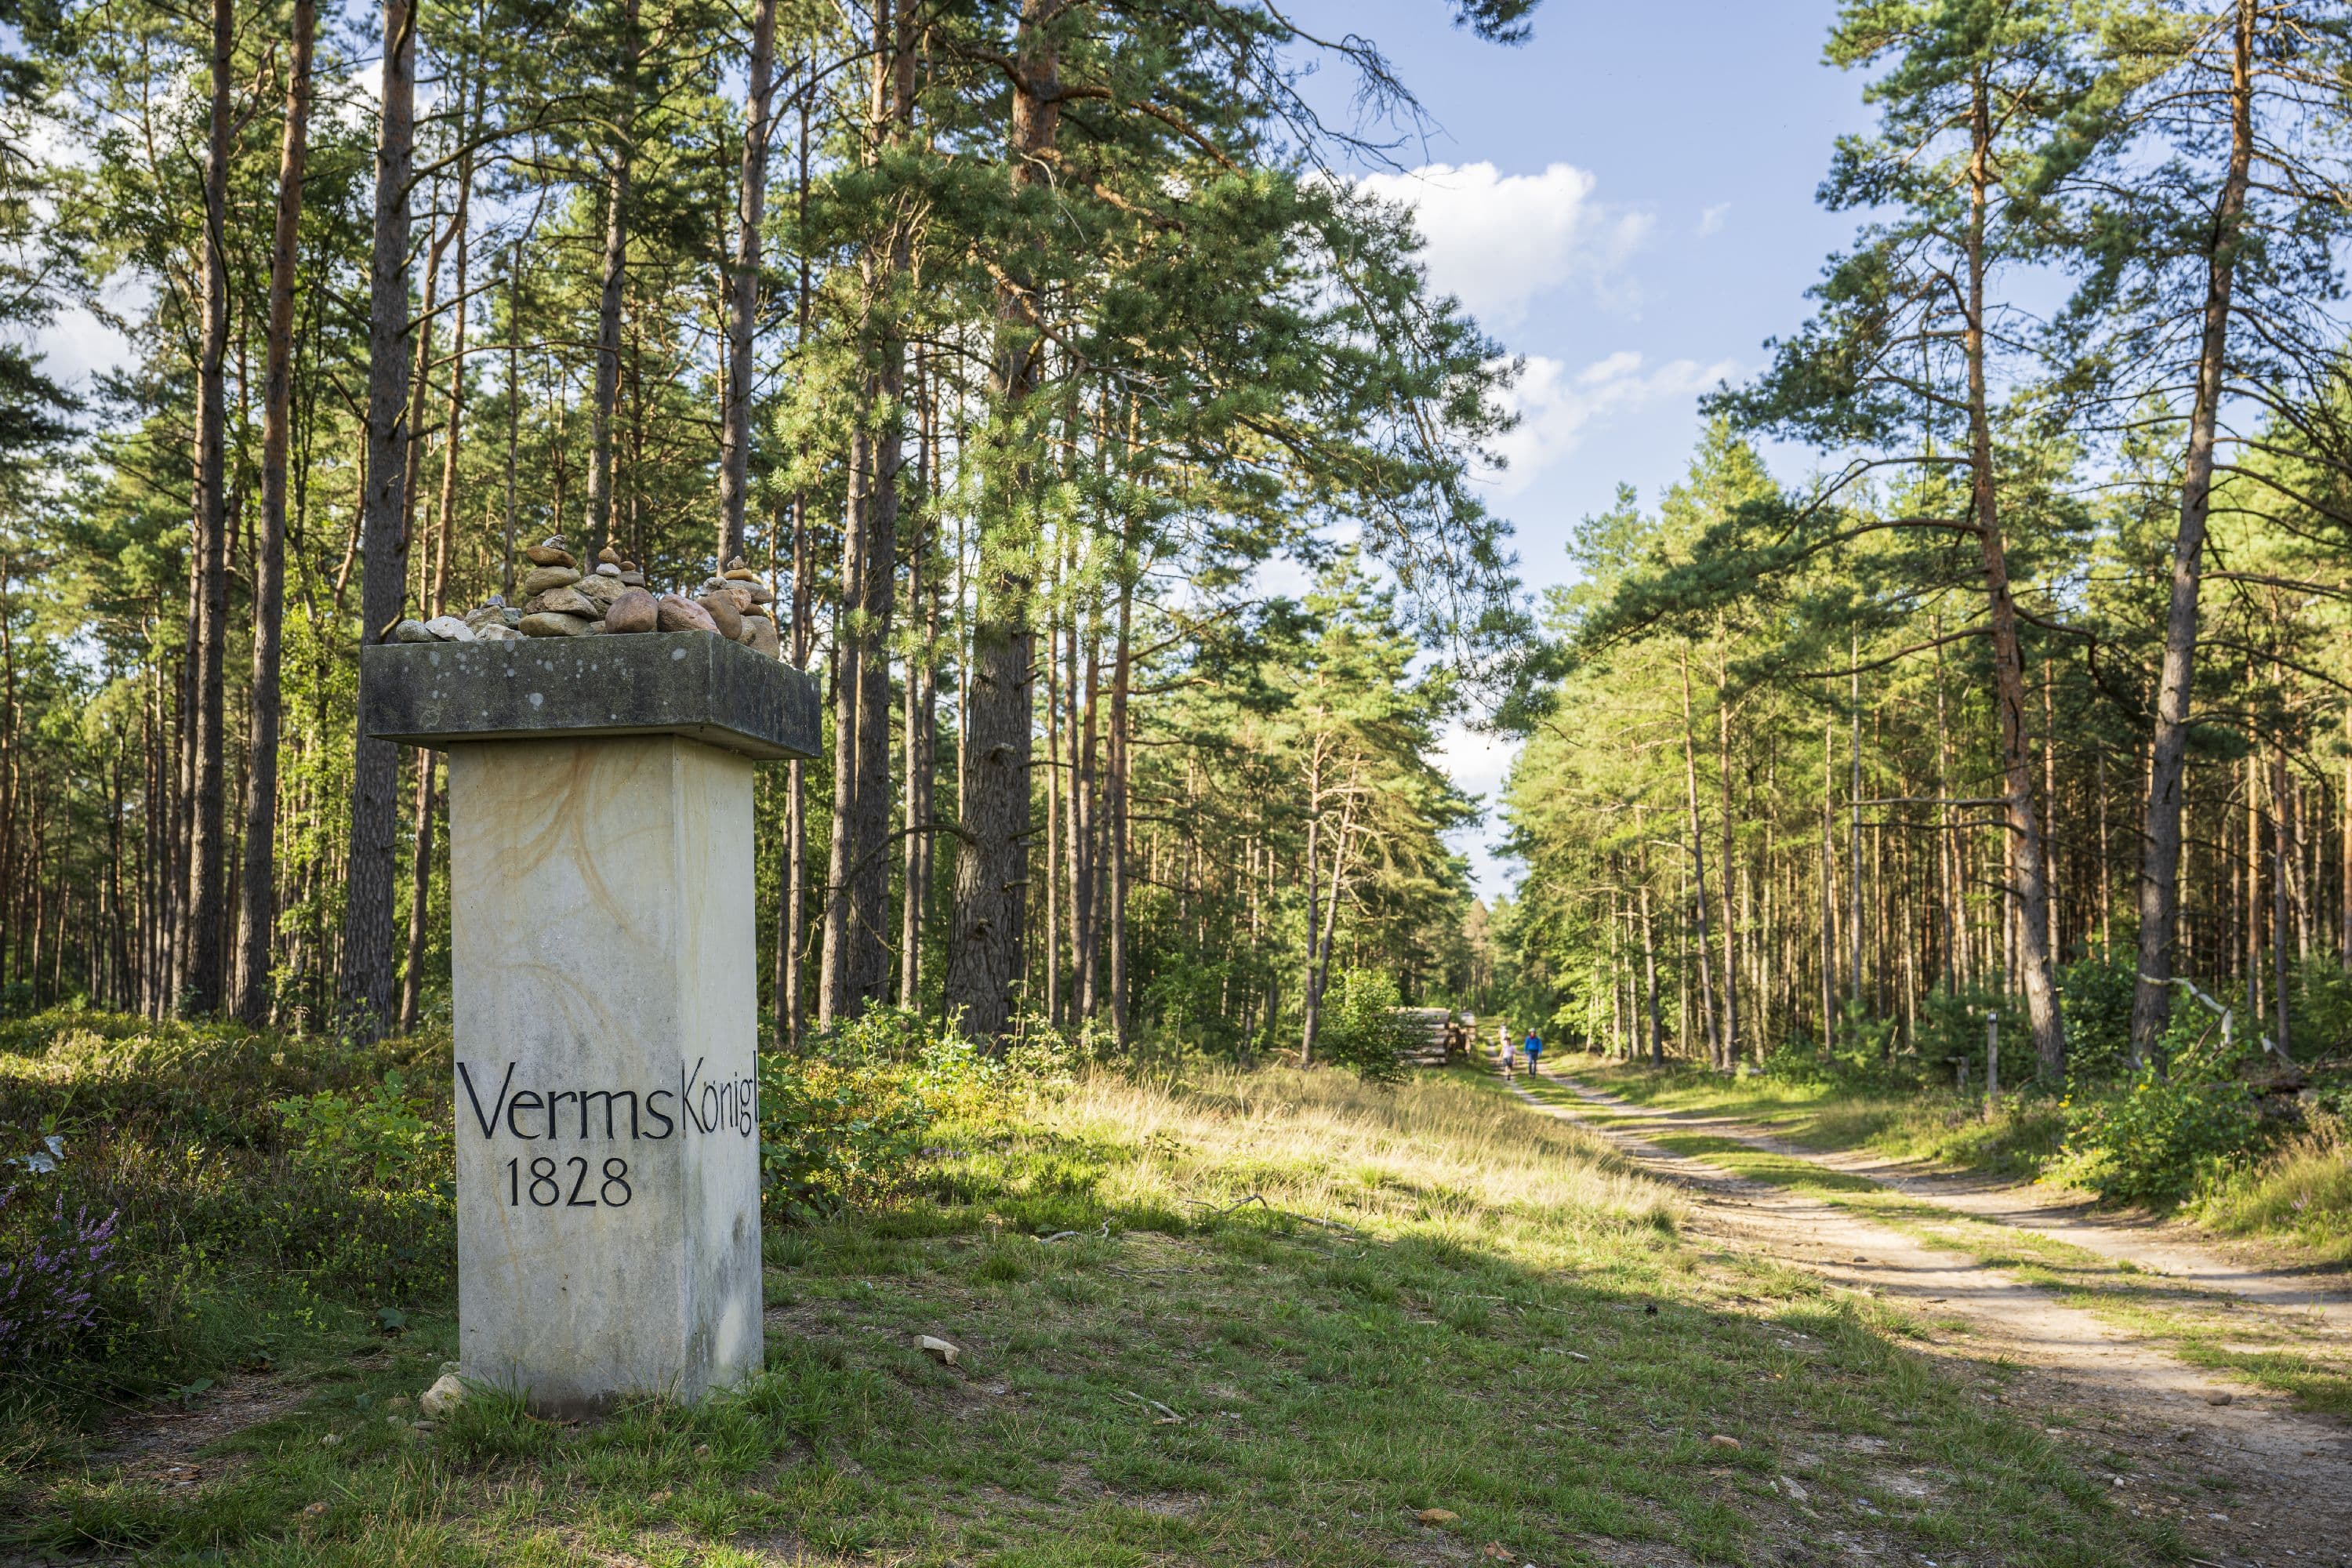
{"points": [[1993, 1062]]}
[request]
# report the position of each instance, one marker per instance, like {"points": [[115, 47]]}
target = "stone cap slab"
{"points": [[694, 684]]}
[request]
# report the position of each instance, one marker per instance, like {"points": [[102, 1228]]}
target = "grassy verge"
{"points": [[2204, 1328], [1279, 1316]]}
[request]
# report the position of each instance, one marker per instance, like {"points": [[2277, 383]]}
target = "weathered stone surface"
{"points": [[446, 1394], [549, 624], [608, 1196], [633, 611], [677, 615], [546, 578], [724, 615], [497, 632], [688, 684], [600, 591], [449, 628], [564, 601], [760, 636], [412, 631], [550, 554]]}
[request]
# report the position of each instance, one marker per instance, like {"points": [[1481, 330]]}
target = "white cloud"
{"points": [[76, 345], [1712, 219], [1556, 408], [1477, 761], [1498, 241]]}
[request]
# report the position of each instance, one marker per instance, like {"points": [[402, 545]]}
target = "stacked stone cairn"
{"points": [[560, 601]]}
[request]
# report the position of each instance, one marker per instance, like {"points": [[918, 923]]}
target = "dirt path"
{"points": [[2320, 1293], [2248, 1480]]}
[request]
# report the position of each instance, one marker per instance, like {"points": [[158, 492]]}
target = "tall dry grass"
{"points": [[1437, 1153], [2303, 1191]]}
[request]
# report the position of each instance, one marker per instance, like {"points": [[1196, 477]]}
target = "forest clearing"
{"points": [[776, 777]]}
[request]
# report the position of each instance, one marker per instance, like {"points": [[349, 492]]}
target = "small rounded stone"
{"points": [[675, 614], [550, 625], [725, 618], [635, 611], [564, 601]]}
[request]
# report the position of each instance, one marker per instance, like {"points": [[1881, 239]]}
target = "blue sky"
{"points": [[1627, 201]]}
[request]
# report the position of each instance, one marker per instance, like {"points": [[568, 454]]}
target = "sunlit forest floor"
{"points": [[1279, 1316]]}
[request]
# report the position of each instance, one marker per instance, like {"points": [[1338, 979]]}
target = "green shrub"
{"points": [[849, 1124], [373, 1206], [2165, 1135], [1359, 1029], [257, 1180]]}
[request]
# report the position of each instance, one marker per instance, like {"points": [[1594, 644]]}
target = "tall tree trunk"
{"points": [[791, 1003], [258, 913], [743, 289], [921, 752], [204, 973], [2159, 880], [514, 418], [437, 594], [856, 965], [985, 943], [2029, 890], [365, 980], [1113, 919], [1698, 873], [1731, 927], [2281, 866], [619, 169], [1649, 946]]}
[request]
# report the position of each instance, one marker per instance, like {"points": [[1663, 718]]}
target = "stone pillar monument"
{"points": [[604, 997]]}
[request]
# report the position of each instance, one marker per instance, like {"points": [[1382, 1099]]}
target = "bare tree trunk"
{"points": [[2159, 880], [203, 972], [619, 174], [1649, 945], [791, 1003], [856, 968], [1115, 812], [743, 291], [1698, 873], [2029, 890], [364, 979], [921, 757], [2281, 866], [257, 912], [1731, 926], [985, 945], [514, 418], [437, 594]]}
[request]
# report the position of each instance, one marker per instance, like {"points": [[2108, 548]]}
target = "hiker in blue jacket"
{"points": [[1533, 1045]]}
